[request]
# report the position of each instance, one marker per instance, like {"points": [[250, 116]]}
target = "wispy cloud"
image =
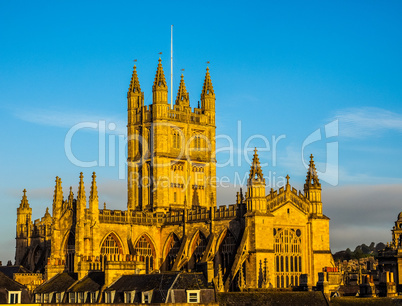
{"points": [[367, 121], [67, 119]]}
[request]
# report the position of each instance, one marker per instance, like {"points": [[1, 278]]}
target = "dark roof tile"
{"points": [[90, 283], [59, 283], [10, 284]]}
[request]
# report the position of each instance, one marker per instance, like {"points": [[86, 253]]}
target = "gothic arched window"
{"points": [[144, 252], [288, 252], [111, 246]]}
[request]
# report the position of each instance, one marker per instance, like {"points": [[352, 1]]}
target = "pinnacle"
{"points": [[160, 80], [94, 189], [207, 89], [58, 192], [182, 94], [135, 83], [312, 177], [81, 187], [24, 200], [256, 171]]}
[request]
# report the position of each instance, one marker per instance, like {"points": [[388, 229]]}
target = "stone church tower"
{"points": [[172, 222], [171, 152]]}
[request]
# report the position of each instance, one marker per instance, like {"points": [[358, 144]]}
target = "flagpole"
{"points": [[171, 66]]}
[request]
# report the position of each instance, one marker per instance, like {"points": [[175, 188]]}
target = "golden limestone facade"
{"points": [[172, 222]]}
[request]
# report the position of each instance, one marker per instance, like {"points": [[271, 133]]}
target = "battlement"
{"points": [[196, 214], [227, 212], [112, 216], [178, 114], [92, 263]]}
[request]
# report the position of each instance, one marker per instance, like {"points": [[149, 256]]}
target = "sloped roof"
{"points": [[160, 281], [59, 283], [192, 281], [10, 284], [91, 282], [11, 270]]}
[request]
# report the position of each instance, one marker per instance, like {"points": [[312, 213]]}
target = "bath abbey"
{"points": [[266, 239]]}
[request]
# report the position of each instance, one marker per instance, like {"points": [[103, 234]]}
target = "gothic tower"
{"points": [[24, 227], [171, 152]]}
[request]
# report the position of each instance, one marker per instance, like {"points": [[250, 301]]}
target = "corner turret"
{"points": [[207, 94], [256, 187], [135, 98], [182, 98], [160, 89], [312, 188]]}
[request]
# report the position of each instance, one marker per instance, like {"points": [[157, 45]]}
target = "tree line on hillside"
{"points": [[360, 251]]}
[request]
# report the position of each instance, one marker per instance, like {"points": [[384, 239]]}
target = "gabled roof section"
{"points": [[59, 283], [160, 80], [90, 283], [277, 199], [134, 83], [10, 284], [191, 281], [160, 281], [207, 89], [9, 271]]}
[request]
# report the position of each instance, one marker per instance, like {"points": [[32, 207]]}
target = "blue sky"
{"points": [[280, 69]]}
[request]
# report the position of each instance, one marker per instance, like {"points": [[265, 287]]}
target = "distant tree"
{"points": [[348, 254], [365, 249], [358, 253], [380, 246]]}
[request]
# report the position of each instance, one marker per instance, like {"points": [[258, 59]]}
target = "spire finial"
{"points": [[94, 189], [134, 83], [58, 192], [256, 171], [81, 187], [287, 179], [160, 80], [24, 200], [312, 177], [207, 89], [182, 94]]}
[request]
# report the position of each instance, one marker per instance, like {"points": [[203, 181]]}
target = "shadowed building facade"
{"points": [[172, 222]]}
